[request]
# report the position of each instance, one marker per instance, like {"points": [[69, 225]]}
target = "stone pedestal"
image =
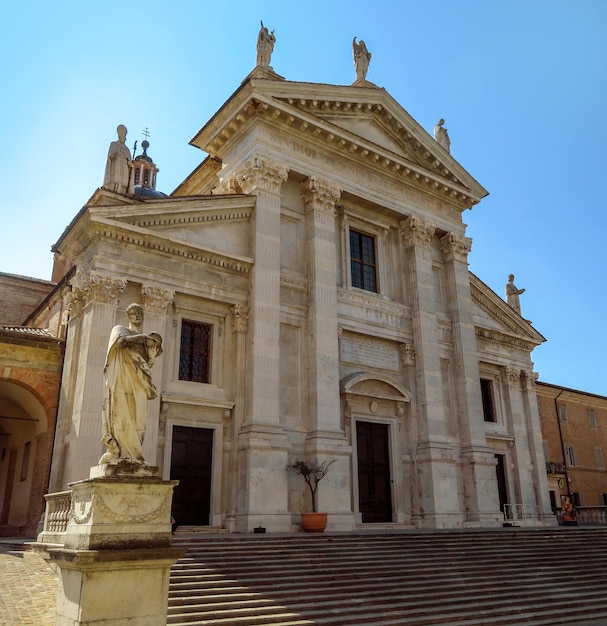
{"points": [[116, 556]]}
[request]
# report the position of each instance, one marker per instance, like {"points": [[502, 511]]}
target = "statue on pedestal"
{"points": [[119, 167], [361, 59], [265, 46], [128, 387], [442, 136], [512, 294]]}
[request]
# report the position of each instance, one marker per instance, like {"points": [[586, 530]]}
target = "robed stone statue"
{"points": [[361, 59], [128, 387], [265, 46], [119, 167]]}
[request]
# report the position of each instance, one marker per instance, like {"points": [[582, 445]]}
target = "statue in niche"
{"points": [[512, 294], [361, 59], [442, 136], [265, 46], [119, 167], [128, 387]]}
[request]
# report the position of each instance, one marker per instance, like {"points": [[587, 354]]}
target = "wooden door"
{"points": [[191, 461], [374, 480], [502, 486]]}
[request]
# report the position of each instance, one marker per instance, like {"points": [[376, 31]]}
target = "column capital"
{"points": [[156, 299], [90, 286], [240, 318], [512, 375], [261, 173], [320, 195], [417, 232], [456, 247], [407, 353]]}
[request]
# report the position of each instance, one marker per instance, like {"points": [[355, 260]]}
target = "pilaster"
{"points": [[435, 458], [92, 303], [156, 301], [262, 442], [478, 463]]}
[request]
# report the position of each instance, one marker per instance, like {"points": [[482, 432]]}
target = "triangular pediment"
{"points": [[495, 320], [363, 123]]}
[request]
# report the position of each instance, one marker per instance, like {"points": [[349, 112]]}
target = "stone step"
{"points": [[467, 578]]}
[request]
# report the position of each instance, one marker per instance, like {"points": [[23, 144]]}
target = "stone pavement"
{"points": [[28, 587]]}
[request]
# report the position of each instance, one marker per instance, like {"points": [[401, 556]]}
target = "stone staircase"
{"points": [[408, 578]]}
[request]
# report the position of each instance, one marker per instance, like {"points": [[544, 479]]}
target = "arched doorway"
{"points": [[23, 461], [375, 411]]}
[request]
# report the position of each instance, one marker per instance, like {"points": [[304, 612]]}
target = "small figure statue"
{"points": [[512, 294], [442, 136], [265, 46], [128, 387], [361, 59], [119, 167]]}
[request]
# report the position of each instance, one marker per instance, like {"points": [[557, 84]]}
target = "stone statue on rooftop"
{"points": [[442, 136], [265, 46], [128, 387], [512, 294], [119, 167], [361, 59]]}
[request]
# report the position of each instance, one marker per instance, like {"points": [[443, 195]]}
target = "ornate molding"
{"points": [[498, 337], [417, 232], [240, 318], [319, 195], [227, 186], [455, 247], [293, 282], [88, 286], [511, 375], [261, 173], [407, 353], [207, 216], [156, 299]]}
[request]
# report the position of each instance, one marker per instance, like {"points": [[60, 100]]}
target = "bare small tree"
{"points": [[312, 473]]}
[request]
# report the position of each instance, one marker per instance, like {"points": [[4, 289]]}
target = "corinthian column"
{"points": [[320, 199], [156, 302], [477, 462], [92, 305], [263, 444]]}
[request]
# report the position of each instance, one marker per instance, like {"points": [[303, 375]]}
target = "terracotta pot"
{"points": [[314, 522]]}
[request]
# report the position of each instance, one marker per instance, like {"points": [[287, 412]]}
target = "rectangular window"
{"points": [[362, 261], [562, 412], [569, 455], [487, 396], [598, 455], [604, 497], [195, 352], [591, 418], [577, 499]]}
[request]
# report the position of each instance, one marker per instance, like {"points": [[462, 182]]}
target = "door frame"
{"points": [[392, 454], [215, 515]]}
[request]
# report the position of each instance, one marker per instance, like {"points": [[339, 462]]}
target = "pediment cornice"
{"points": [[422, 163], [515, 330], [94, 229]]}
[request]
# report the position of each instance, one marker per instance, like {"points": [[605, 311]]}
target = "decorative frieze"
{"points": [[455, 247], [261, 173], [319, 195], [156, 299], [227, 186], [417, 232], [240, 318]]}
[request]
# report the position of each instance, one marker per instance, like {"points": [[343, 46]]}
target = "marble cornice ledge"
{"points": [[398, 312], [218, 215], [215, 403], [293, 282], [133, 235], [431, 177], [490, 334]]}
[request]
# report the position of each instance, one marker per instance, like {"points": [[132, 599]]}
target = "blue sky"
{"points": [[521, 84]]}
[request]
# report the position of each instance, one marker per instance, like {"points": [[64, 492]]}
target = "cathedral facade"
{"points": [[310, 282]]}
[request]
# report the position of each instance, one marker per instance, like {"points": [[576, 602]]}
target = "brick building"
{"points": [[574, 428]]}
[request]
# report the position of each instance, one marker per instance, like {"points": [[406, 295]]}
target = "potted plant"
{"points": [[312, 473]]}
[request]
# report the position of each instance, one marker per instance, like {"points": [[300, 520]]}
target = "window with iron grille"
{"points": [[195, 352], [592, 418], [363, 266], [598, 456], [563, 413]]}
